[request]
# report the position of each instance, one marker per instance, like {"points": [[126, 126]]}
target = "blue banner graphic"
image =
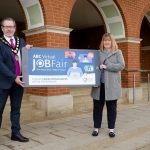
{"points": [[60, 67]]}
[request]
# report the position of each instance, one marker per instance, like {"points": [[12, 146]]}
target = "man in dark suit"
{"points": [[10, 76]]}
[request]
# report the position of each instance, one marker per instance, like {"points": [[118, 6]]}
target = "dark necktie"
{"points": [[16, 59], [12, 43]]}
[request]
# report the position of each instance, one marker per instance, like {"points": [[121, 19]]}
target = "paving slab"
{"points": [[74, 132]]}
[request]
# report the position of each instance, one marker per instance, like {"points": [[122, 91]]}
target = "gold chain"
{"points": [[14, 50]]}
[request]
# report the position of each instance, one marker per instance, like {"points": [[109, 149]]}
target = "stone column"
{"points": [[131, 51]]}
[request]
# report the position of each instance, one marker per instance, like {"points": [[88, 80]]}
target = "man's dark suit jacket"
{"points": [[7, 65]]}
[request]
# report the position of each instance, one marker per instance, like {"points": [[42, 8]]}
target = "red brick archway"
{"points": [[131, 44]]}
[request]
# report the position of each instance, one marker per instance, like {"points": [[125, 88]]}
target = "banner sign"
{"points": [[43, 67]]}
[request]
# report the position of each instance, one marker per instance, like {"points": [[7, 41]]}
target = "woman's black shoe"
{"points": [[95, 133], [111, 134]]}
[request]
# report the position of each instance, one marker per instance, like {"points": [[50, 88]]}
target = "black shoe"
{"points": [[111, 134], [19, 138], [95, 133]]}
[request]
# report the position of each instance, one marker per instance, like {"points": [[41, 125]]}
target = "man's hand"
{"points": [[18, 81], [28, 46]]}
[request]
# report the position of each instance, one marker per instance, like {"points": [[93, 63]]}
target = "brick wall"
{"points": [[131, 53], [133, 12], [57, 13], [50, 40], [48, 91]]}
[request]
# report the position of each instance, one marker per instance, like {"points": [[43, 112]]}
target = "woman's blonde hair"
{"points": [[114, 45]]}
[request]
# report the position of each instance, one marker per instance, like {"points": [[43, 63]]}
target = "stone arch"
{"points": [[144, 13], [33, 13], [108, 9], [148, 16], [112, 17], [144, 33]]}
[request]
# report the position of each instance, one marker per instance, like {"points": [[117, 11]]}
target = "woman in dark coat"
{"points": [[111, 63]]}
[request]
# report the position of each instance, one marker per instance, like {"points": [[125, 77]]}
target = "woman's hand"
{"points": [[102, 66]]}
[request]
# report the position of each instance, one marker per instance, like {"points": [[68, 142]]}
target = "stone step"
{"points": [[82, 103], [38, 115], [80, 91], [29, 113], [138, 138], [145, 93]]}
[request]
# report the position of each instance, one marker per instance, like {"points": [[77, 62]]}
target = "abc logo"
{"points": [[40, 63]]}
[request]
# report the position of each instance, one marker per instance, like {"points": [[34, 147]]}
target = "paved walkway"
{"points": [[74, 133]]}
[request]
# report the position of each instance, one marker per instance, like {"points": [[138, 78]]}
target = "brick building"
{"points": [[80, 24]]}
